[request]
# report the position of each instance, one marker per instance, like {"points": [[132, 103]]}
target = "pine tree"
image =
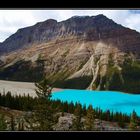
{"points": [[121, 122], [65, 106], [133, 121], [43, 90], [90, 118], [107, 115], [43, 111], [71, 108], [77, 124], [84, 110]]}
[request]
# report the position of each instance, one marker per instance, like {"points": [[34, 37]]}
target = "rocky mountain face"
{"points": [[86, 27], [83, 52]]}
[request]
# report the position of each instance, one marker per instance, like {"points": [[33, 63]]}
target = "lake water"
{"points": [[114, 101]]}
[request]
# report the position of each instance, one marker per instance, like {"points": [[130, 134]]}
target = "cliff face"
{"points": [[81, 52]]}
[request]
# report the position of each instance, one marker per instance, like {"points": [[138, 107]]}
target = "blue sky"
{"points": [[12, 20]]}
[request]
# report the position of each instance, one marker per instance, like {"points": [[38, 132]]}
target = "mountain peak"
{"points": [[86, 16], [101, 16], [79, 17], [87, 27], [50, 21]]}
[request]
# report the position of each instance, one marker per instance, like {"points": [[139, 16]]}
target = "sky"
{"points": [[12, 20]]}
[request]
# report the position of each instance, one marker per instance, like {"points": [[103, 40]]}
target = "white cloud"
{"points": [[12, 20], [133, 22]]}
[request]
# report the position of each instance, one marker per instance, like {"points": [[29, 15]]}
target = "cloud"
{"points": [[133, 22], [12, 20]]}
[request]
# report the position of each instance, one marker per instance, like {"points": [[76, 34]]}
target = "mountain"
{"points": [[82, 52]]}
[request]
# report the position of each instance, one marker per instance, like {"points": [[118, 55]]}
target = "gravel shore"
{"points": [[19, 88]]}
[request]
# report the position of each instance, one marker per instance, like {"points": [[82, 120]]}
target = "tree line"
{"points": [[44, 109]]}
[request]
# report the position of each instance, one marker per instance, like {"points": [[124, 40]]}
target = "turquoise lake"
{"points": [[105, 100]]}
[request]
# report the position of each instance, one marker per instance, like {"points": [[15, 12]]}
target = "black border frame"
{"points": [[71, 4]]}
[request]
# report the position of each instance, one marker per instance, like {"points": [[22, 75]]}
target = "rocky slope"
{"points": [[80, 52], [64, 122]]}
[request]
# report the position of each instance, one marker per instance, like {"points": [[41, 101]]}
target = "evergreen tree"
{"points": [[43, 90], [133, 121], [77, 124], [43, 111], [89, 124], [107, 115], [121, 122], [65, 106], [71, 108], [84, 110]]}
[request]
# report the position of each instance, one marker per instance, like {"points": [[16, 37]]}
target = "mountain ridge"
{"points": [[90, 52], [29, 35]]}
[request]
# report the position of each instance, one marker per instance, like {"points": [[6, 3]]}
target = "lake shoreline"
{"points": [[29, 87]]}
